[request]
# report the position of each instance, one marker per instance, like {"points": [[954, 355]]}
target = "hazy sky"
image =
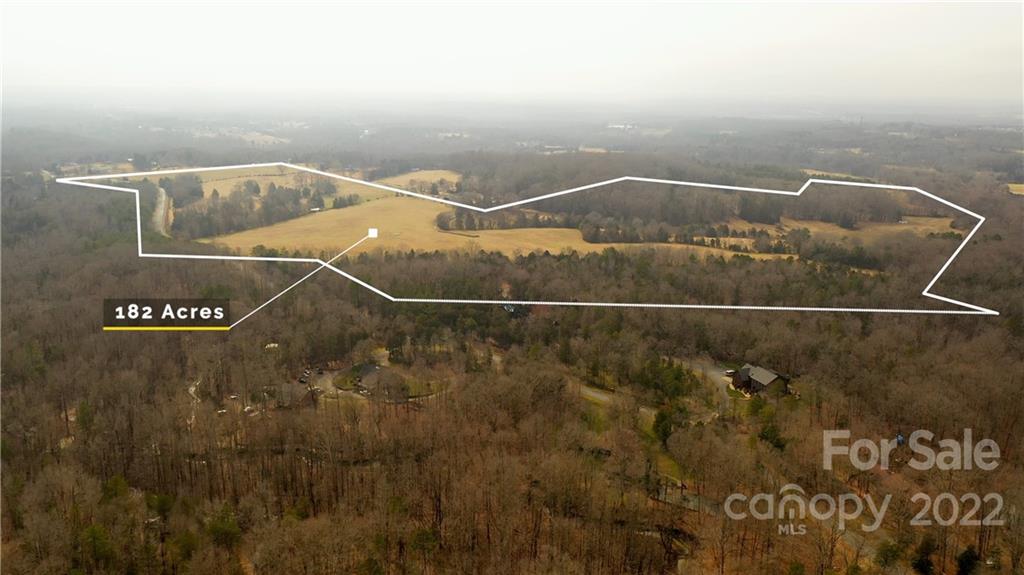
{"points": [[864, 53]]}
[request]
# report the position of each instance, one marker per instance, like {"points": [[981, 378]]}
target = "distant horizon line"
{"points": [[120, 96]]}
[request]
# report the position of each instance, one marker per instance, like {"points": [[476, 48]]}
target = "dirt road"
{"points": [[603, 397], [161, 214], [715, 374]]}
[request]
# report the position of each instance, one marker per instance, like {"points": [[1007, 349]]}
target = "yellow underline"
{"points": [[167, 328]]}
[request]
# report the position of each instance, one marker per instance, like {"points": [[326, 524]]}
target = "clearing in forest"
{"points": [[408, 224]]}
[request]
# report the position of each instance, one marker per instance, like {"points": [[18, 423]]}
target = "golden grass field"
{"points": [[408, 223], [1017, 189], [224, 181], [866, 232], [404, 181], [427, 176], [869, 232]]}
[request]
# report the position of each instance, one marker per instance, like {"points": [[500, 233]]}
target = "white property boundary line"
{"points": [[970, 309]]}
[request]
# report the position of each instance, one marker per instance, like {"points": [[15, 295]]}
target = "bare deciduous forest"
{"points": [[506, 439]]}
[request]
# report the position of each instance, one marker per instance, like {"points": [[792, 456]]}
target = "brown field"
{"points": [[428, 176], [224, 181], [866, 232], [404, 181], [407, 223], [869, 232], [745, 242]]}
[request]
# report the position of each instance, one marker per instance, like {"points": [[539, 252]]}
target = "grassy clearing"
{"points": [[419, 387], [408, 224], [662, 460], [365, 193], [224, 181], [666, 465], [595, 417], [1017, 189], [871, 232], [424, 176], [410, 180], [344, 381], [735, 393], [418, 181], [867, 232]]}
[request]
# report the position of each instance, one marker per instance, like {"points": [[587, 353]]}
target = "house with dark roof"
{"points": [[366, 373], [756, 379]]}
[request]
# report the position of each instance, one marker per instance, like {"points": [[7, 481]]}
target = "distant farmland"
{"points": [[408, 179], [871, 232], [224, 181]]}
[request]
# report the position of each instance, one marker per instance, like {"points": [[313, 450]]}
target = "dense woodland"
{"points": [[136, 454], [499, 179]]}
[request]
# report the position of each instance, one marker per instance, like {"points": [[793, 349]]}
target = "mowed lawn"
{"points": [[408, 224]]}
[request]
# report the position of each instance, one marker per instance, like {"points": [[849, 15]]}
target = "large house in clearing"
{"points": [[756, 379]]}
